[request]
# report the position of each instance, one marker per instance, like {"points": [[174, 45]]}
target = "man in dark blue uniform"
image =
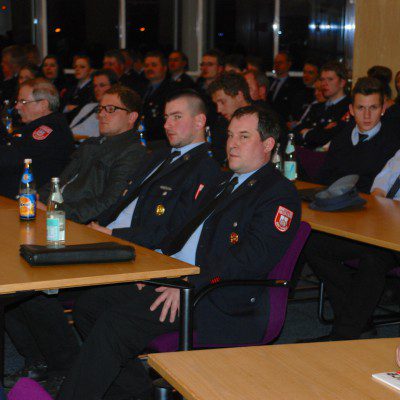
{"points": [[241, 230], [45, 137]]}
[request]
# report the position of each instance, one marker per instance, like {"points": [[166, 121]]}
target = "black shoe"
{"points": [[37, 371], [325, 338]]}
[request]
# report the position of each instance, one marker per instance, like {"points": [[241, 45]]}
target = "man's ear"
{"points": [[269, 144], [200, 121], [133, 116]]}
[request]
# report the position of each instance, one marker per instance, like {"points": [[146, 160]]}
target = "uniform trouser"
{"points": [[117, 325], [353, 292], [40, 332]]}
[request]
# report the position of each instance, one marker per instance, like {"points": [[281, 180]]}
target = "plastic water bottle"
{"points": [[290, 164], [27, 193], [142, 132], [276, 158], [55, 221]]}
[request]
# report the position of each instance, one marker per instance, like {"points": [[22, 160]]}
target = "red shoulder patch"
{"points": [[283, 219], [42, 132]]}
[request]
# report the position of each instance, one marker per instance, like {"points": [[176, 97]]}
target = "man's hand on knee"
{"points": [[171, 299]]}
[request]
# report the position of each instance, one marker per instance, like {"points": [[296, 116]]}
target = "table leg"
{"points": [[186, 322]]}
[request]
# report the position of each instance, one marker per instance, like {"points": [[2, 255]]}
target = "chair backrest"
{"points": [[284, 270], [310, 162], [278, 298], [28, 389]]}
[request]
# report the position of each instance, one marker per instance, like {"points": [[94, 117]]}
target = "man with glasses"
{"points": [[211, 67], [100, 167], [91, 183], [45, 137]]}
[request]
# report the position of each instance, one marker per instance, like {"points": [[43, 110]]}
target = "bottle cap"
{"points": [[55, 180], [27, 160]]}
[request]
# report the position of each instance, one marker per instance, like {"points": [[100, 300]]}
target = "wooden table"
{"points": [[8, 204], [376, 223], [313, 371], [18, 277]]}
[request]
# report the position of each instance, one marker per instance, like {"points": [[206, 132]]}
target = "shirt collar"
{"points": [[355, 135], [243, 177], [186, 148], [334, 102]]}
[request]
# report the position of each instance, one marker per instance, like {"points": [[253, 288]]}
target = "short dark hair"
{"points": [[268, 122], [367, 86], [129, 98], [17, 54], [260, 77], [32, 68], [157, 54], [110, 74], [83, 57], [195, 99], [115, 54], [256, 61], [384, 75], [236, 60], [217, 54], [313, 61], [231, 83], [183, 56], [336, 67]]}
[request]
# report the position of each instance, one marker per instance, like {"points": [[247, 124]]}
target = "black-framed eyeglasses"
{"points": [[23, 102], [110, 109]]}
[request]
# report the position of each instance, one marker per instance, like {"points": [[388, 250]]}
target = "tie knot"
{"points": [[362, 137], [232, 183], [175, 153]]}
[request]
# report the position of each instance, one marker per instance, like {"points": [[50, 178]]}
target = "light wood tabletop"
{"points": [[376, 223], [312, 371], [8, 204], [17, 275]]}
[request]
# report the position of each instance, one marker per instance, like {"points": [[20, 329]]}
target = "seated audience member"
{"points": [[133, 76], [235, 63], [114, 60], [304, 96], [32, 54], [211, 67], [52, 70], [355, 292], [159, 87], [323, 129], [254, 63], [387, 182], [258, 86], [27, 72], [384, 75], [362, 149], [162, 191], [314, 110], [123, 319], [86, 122], [229, 92], [81, 92], [101, 166], [45, 137], [283, 86], [12, 59], [178, 64]]}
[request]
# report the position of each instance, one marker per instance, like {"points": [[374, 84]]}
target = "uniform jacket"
{"points": [[318, 135], [300, 101], [282, 102], [98, 171], [166, 202], [244, 238], [47, 141], [135, 81], [184, 82], [365, 159], [153, 110]]}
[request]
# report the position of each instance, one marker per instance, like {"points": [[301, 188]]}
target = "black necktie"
{"points": [[132, 196], [184, 234], [362, 137], [394, 189]]}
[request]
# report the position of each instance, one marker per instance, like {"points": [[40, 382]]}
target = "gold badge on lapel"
{"points": [[160, 209], [234, 238]]}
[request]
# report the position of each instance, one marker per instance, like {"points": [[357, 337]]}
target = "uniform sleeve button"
{"points": [[253, 300]]}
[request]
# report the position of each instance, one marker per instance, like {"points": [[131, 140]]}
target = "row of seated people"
{"points": [[363, 147], [161, 196]]}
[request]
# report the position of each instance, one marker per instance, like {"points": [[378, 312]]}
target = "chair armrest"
{"points": [[239, 282], [173, 283]]}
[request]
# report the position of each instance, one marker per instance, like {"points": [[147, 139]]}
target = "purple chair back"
{"points": [[277, 296], [311, 161], [28, 389]]}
